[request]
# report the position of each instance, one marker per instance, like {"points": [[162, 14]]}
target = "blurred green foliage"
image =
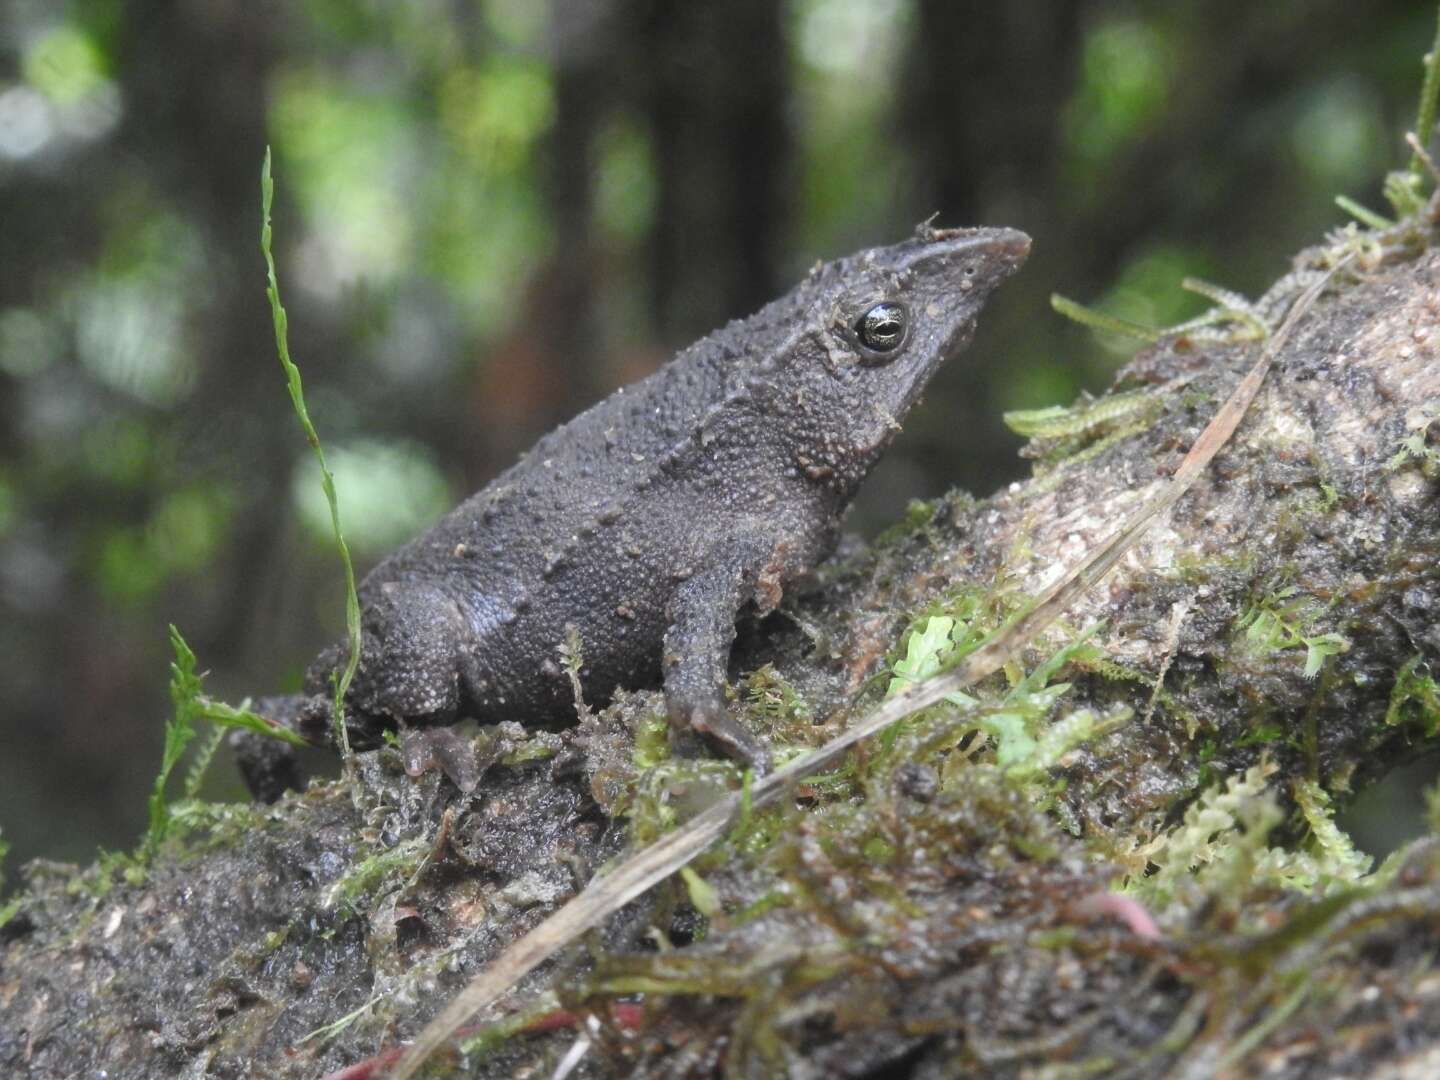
{"points": [[482, 209], [1126, 66]]}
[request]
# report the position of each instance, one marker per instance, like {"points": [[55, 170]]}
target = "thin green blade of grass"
{"points": [[1429, 95], [327, 479]]}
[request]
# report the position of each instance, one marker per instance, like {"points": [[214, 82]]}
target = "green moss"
{"points": [[572, 660], [672, 790], [1262, 734], [702, 896], [10, 907], [366, 877], [756, 831], [189, 706], [110, 868], [1339, 861], [992, 756], [1283, 619], [1239, 318], [1083, 431], [1101, 322], [776, 898], [1415, 698], [1363, 214], [179, 730], [945, 632], [1085, 418], [1220, 852], [1048, 479], [919, 515], [1161, 699], [526, 751], [777, 707], [1420, 447], [493, 1036], [198, 826], [652, 741], [852, 879]]}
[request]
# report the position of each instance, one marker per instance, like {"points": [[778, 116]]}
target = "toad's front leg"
{"points": [[697, 651]]}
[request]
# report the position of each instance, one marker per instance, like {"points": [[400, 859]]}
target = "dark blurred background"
{"points": [[492, 212]]}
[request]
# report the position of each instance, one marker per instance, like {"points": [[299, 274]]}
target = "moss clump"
{"points": [[1283, 619], [1415, 700]]}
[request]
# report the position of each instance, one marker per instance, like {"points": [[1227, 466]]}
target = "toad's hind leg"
{"points": [[412, 640]]}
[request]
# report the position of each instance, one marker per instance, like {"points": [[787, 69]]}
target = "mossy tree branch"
{"points": [[1268, 649]]}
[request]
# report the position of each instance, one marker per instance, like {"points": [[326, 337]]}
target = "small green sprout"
{"points": [[702, 894], [1421, 446], [191, 705], [1022, 753], [925, 650], [179, 730], [1280, 620]]}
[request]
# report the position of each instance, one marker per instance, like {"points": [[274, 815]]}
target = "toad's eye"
{"points": [[882, 328]]}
